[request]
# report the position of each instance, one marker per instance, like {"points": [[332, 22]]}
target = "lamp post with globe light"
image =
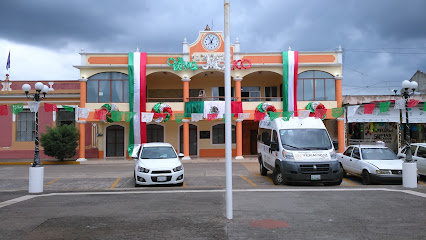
{"points": [[36, 170], [409, 167]]}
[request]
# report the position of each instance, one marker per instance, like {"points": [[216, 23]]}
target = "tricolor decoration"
{"points": [[317, 110], [290, 68], [137, 98], [109, 107], [162, 112], [262, 109]]}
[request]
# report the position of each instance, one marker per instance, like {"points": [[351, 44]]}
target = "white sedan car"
{"points": [[157, 163], [418, 150], [373, 163]]}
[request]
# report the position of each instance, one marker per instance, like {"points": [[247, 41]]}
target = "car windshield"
{"points": [[378, 154], [158, 153], [305, 139]]}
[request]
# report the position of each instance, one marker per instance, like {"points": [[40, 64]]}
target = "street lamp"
{"points": [[409, 167], [36, 170]]}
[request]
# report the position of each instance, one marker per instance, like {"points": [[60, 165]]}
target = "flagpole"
{"points": [[228, 119]]}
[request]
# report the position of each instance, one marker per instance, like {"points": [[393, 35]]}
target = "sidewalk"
{"points": [[248, 158]]}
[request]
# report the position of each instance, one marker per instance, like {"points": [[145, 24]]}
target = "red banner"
{"points": [[50, 107], [368, 108], [3, 110]]}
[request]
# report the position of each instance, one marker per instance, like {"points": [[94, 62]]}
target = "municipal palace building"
{"points": [[121, 99]]}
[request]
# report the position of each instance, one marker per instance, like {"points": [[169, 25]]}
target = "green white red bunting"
{"points": [[137, 98], [290, 68]]}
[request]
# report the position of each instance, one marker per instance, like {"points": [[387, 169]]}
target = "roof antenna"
{"points": [[212, 25]]}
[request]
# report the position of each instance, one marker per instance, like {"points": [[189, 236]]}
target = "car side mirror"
{"points": [[181, 155], [274, 146]]}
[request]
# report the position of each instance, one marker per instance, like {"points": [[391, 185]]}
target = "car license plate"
{"points": [[161, 179], [315, 177]]}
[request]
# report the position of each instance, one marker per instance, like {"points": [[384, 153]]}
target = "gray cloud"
{"points": [[382, 39]]}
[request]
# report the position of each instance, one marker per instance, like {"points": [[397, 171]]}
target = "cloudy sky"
{"points": [[384, 41]]}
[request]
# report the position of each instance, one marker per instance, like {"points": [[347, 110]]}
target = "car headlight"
{"points": [[333, 155], [142, 169], [288, 155], [178, 168], [383, 171]]}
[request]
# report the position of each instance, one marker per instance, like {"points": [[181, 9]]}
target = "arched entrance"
{"points": [[115, 141], [193, 141]]}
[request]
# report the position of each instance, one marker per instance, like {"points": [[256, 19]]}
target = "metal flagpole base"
{"points": [[239, 157], [186, 158], [81, 160], [409, 174], [36, 180]]}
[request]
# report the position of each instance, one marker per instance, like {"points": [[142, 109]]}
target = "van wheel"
{"points": [[344, 175], [366, 179], [263, 170], [278, 177]]}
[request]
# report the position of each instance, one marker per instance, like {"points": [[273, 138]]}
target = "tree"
{"points": [[60, 142]]}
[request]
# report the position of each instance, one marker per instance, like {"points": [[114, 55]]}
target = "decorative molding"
{"points": [[6, 86], [213, 61]]}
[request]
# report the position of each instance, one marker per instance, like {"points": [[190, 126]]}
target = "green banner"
{"points": [[17, 108], [274, 115], [287, 115], [424, 106], [128, 116], [179, 117], [193, 107], [337, 112], [384, 106], [68, 108], [116, 116]]}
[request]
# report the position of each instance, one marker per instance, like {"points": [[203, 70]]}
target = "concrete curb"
{"points": [[42, 163]]}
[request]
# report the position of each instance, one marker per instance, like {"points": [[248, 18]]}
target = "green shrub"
{"points": [[60, 142]]}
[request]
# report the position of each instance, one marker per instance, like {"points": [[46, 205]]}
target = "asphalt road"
{"points": [[100, 202]]}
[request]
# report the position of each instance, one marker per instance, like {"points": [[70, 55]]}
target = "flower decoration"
{"points": [[162, 112], [109, 107], [262, 109], [313, 106]]}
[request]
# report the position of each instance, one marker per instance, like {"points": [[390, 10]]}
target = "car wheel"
{"points": [[278, 177], [263, 170], [344, 174], [134, 179], [366, 179]]}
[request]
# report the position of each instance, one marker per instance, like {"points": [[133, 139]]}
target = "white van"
{"points": [[298, 150]]}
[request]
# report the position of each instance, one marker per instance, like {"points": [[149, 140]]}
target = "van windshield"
{"points": [[305, 139]]}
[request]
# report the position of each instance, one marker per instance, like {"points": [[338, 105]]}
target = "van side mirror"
{"points": [[274, 146]]}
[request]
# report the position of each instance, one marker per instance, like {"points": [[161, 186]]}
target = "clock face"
{"points": [[211, 41]]}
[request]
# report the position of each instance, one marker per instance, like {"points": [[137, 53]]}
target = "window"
{"points": [[348, 151], [421, 152], [108, 87], [271, 92], [154, 133], [65, 117], [219, 134], [25, 127], [316, 86], [250, 94], [355, 153], [220, 92]]}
